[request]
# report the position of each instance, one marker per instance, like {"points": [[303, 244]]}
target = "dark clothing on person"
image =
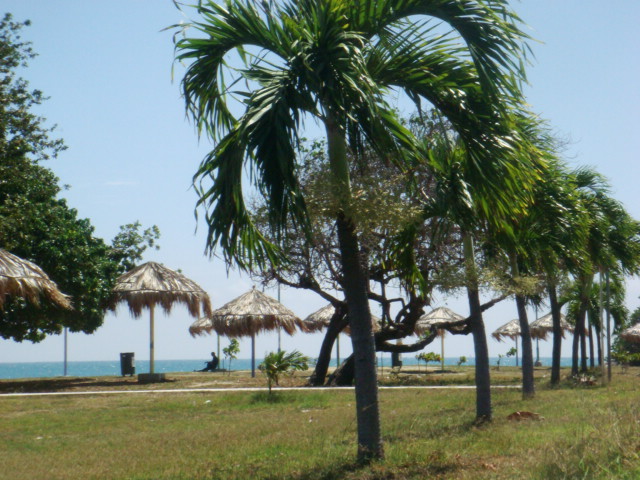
{"points": [[212, 365]]}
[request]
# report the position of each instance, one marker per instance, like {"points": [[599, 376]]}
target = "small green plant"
{"points": [[512, 352], [280, 363], [427, 357], [500, 357], [231, 352], [462, 360]]}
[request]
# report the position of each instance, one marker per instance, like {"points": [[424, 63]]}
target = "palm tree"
{"points": [[333, 62], [612, 244], [280, 363]]}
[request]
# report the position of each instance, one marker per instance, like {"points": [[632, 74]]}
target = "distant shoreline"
{"points": [[16, 370]]}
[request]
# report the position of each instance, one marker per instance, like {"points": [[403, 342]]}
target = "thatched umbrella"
{"points": [[247, 315], [151, 284], [631, 334], [542, 326], [22, 278], [509, 330], [437, 315], [320, 319]]}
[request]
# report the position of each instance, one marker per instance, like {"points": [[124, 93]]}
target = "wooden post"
{"points": [[151, 334], [253, 355]]}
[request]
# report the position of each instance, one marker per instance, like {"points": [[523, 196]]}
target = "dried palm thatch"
{"points": [[437, 315], [320, 319], [249, 314], [153, 284], [632, 334], [542, 326], [22, 278], [510, 330]]}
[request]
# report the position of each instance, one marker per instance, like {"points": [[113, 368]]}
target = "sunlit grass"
{"points": [[586, 433]]}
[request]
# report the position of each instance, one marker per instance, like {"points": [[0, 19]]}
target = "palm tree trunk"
{"points": [[483, 376], [557, 334], [355, 289], [592, 359], [528, 387]]}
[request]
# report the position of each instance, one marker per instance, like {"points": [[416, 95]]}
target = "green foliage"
{"points": [[462, 360], [499, 361], [427, 357], [512, 352], [37, 225], [280, 363], [231, 352], [130, 243]]}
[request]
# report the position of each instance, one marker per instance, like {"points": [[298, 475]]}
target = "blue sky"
{"points": [[107, 67]]}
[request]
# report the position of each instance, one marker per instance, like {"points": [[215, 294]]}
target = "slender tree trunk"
{"points": [[608, 331], [528, 387], [483, 376], [592, 359], [583, 346], [336, 325], [557, 334], [355, 289], [575, 349], [599, 345]]}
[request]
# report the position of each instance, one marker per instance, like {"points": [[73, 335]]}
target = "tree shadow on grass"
{"points": [[61, 384], [434, 468]]}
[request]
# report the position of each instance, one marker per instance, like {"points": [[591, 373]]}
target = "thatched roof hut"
{"points": [[542, 326], [22, 278], [510, 330], [320, 319], [151, 284], [249, 314], [631, 334], [437, 315]]}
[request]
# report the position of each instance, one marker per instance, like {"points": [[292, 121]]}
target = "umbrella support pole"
{"points": [[151, 335], [253, 355], [442, 350]]}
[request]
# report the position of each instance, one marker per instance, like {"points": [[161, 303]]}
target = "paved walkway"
{"points": [[244, 389]]}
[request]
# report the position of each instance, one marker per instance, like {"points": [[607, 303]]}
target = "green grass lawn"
{"points": [[586, 432]]}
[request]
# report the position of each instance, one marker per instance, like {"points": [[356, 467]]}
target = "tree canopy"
{"points": [[36, 224]]}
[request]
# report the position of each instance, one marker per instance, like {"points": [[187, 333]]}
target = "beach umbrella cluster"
{"points": [[539, 330]]}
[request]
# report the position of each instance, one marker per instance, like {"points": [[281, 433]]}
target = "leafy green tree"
{"points": [[277, 364], [334, 61], [37, 225], [427, 357], [231, 352], [462, 360]]}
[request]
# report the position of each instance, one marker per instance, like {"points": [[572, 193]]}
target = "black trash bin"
{"points": [[127, 364], [396, 360]]}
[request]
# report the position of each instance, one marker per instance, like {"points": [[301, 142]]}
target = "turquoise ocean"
{"points": [[106, 368]]}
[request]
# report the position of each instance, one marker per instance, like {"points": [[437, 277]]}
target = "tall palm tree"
{"points": [[612, 244], [334, 62]]}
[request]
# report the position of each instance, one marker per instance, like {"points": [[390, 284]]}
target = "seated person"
{"points": [[212, 365]]}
